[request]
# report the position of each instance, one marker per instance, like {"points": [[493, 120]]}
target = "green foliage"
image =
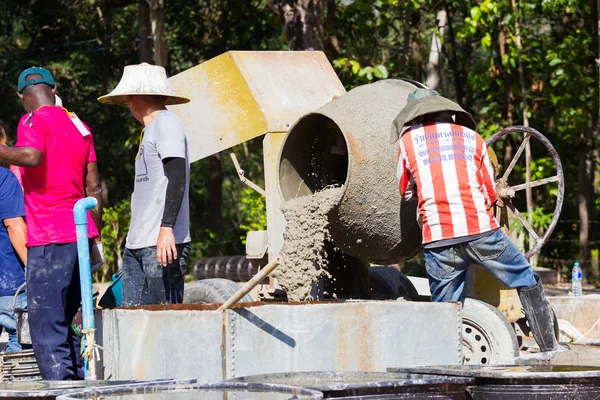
{"points": [[115, 224], [540, 221], [254, 212], [86, 43], [360, 75], [371, 37]]}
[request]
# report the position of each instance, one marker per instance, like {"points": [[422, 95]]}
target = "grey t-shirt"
{"points": [[164, 137]]}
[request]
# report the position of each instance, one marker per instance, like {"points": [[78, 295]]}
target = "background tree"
{"points": [[302, 21], [86, 43]]}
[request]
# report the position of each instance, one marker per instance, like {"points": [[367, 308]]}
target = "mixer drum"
{"points": [[346, 142]]}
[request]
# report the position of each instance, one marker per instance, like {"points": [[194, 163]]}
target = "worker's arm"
{"points": [[172, 146], [17, 233], [21, 156], [406, 183], [175, 171], [486, 171], [31, 142], [12, 211], [93, 189]]}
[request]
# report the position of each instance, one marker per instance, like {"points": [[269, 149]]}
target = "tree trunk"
{"points": [[158, 32], [216, 192], [334, 45], [582, 201], [416, 50], [145, 45], [107, 110], [595, 218], [302, 21], [528, 191], [453, 59], [433, 66], [595, 265], [510, 112], [407, 11]]}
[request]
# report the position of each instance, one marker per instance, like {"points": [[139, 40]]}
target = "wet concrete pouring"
{"points": [[304, 258]]}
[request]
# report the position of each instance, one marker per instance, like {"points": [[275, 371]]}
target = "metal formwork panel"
{"points": [[211, 346], [352, 336], [142, 344]]}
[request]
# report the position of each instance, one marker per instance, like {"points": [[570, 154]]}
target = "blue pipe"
{"points": [[85, 270]]}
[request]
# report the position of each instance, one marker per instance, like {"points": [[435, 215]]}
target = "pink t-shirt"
{"points": [[52, 188], [17, 171]]}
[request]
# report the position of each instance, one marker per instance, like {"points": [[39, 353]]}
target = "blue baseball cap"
{"points": [[46, 77]]}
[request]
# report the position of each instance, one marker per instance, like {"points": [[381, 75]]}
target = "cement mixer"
{"points": [[346, 143], [317, 136]]}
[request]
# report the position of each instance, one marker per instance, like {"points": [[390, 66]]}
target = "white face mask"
{"points": [[57, 101]]}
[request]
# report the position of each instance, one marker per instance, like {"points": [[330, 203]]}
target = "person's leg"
{"points": [[175, 275], [156, 278], [7, 319], [446, 270], [498, 254], [133, 279], [540, 315], [72, 301], [49, 276]]}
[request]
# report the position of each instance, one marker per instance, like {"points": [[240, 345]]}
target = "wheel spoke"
{"points": [[513, 162], [531, 184], [523, 221]]}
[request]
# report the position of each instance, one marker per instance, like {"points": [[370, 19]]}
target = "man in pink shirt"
{"points": [[55, 151]]}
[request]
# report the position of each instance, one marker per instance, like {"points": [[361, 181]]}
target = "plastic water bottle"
{"points": [[576, 279]]}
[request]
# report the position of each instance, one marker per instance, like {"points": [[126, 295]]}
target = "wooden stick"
{"points": [[248, 286]]}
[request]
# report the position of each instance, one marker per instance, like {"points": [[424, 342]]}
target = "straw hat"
{"points": [[143, 80], [426, 101]]}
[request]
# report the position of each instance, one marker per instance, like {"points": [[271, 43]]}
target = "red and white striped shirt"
{"points": [[454, 179]]}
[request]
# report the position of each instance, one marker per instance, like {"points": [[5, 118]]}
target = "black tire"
{"points": [[391, 283], [487, 336], [207, 291]]}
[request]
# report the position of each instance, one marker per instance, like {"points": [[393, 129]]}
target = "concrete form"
{"points": [[582, 312], [212, 346]]}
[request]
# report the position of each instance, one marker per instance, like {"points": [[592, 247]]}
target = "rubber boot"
{"points": [[539, 314]]}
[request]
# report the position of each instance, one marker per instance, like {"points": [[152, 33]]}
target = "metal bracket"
{"points": [[240, 172]]}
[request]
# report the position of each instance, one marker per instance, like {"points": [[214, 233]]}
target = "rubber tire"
{"points": [[498, 332], [391, 282], [208, 291]]}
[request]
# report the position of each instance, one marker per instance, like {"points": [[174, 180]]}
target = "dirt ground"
{"points": [[564, 289]]}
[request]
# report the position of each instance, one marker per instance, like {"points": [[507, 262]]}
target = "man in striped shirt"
{"points": [[444, 160]]}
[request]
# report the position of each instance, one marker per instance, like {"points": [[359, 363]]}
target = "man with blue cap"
{"points": [[444, 162], [55, 151]]}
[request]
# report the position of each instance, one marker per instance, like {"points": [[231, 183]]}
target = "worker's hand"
{"points": [[166, 251], [96, 256]]}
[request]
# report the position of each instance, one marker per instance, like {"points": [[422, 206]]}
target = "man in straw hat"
{"points": [[55, 151], [444, 159], [157, 244]]}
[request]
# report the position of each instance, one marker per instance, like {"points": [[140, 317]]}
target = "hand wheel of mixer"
{"points": [[506, 192]]}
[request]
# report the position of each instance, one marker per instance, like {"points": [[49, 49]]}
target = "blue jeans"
{"points": [[147, 282], [447, 266], [7, 319], [53, 298]]}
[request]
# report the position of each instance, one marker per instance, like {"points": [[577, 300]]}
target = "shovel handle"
{"points": [[248, 286]]}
